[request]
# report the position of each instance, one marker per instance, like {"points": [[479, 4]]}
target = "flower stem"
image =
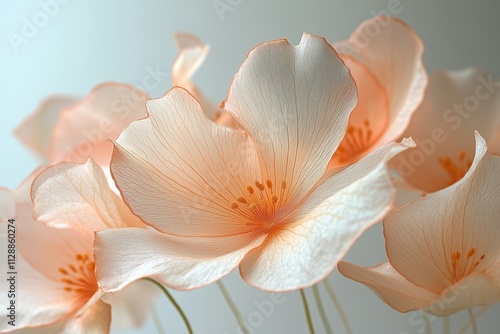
{"points": [[446, 325], [464, 328], [340, 310], [174, 303], [306, 309], [472, 320], [321, 310], [428, 328], [233, 307], [156, 320]]}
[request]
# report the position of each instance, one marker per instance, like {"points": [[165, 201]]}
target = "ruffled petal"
{"points": [[192, 53], [441, 238], [303, 253], [35, 132], [83, 130], [294, 101], [393, 52], [125, 255], [455, 105], [389, 285], [78, 196], [475, 290], [188, 170]]}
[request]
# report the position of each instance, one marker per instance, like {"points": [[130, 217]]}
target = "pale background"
{"points": [[88, 42]]}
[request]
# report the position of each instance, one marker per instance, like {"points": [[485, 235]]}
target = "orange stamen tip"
{"points": [[283, 184], [63, 271], [274, 198], [242, 200], [269, 184], [252, 206], [250, 190], [259, 185], [471, 252], [234, 205]]}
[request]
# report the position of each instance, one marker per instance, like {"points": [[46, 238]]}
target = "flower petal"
{"points": [[444, 124], [187, 169], [35, 130], [475, 290], [130, 307], [303, 253], [389, 285], [294, 101], [95, 320], [423, 238], [192, 53], [78, 196], [82, 130], [125, 255], [393, 52]]}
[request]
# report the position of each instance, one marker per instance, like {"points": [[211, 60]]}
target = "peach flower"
{"points": [[192, 53], [57, 289], [258, 196], [443, 249], [384, 56], [456, 104], [62, 129]]}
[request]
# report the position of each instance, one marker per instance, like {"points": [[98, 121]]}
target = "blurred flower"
{"points": [[456, 104], [65, 129], [260, 196], [443, 248], [192, 53], [384, 56], [57, 285]]}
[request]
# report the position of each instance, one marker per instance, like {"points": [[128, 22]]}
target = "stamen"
{"points": [[250, 190], [242, 200], [234, 205], [471, 252], [274, 198], [283, 184], [259, 185], [269, 184]]}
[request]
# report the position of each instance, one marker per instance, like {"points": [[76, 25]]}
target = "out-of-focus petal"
{"points": [[389, 285], [393, 52], [83, 130], [35, 131], [78, 196], [125, 255], [455, 105], [305, 252], [187, 169], [294, 101]]}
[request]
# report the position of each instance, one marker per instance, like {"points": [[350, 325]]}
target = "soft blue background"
{"points": [[88, 42]]}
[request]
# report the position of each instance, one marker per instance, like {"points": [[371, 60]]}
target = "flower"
{"points": [[456, 104], [192, 53], [260, 197], [443, 248], [57, 286], [384, 56], [65, 129]]}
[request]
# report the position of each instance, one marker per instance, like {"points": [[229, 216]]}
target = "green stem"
{"points": [[306, 309], [233, 307], [174, 303], [472, 320], [319, 305], [446, 325], [338, 306], [464, 328], [156, 320]]}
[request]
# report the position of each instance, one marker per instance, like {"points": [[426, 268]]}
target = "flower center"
{"points": [[357, 140], [462, 266], [259, 205], [454, 170], [79, 277]]}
